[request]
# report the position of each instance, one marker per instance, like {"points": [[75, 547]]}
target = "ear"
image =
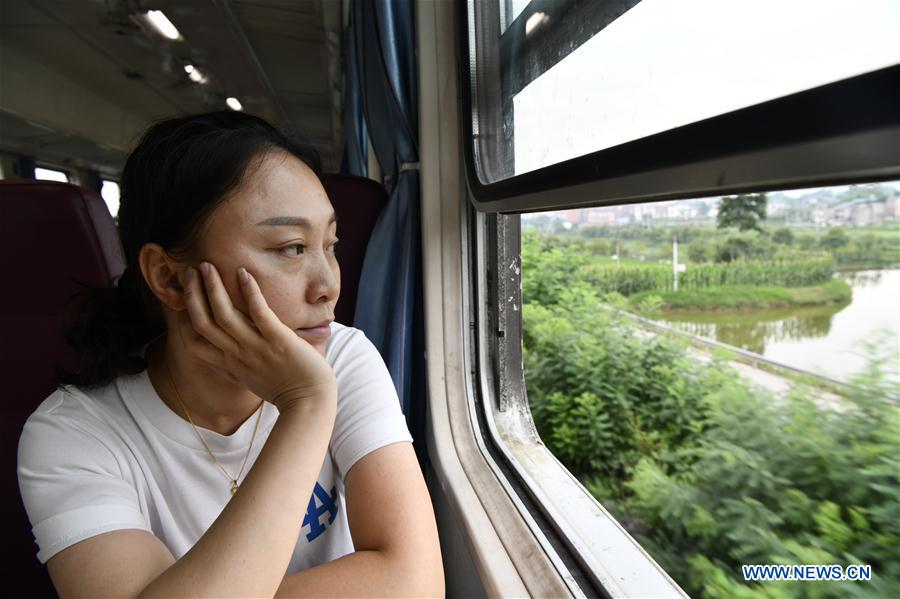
{"points": [[163, 276]]}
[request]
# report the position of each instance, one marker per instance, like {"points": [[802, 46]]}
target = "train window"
{"points": [[719, 372], [510, 10], [607, 162], [109, 191], [50, 174], [578, 77]]}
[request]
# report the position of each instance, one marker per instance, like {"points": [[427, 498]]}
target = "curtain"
{"points": [[354, 135], [24, 167], [93, 180], [388, 308]]}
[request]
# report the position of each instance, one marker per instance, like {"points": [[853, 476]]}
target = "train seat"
{"points": [[357, 201], [55, 236], [58, 237]]}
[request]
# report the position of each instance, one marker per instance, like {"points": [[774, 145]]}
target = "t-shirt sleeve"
{"points": [[368, 411], [70, 480]]}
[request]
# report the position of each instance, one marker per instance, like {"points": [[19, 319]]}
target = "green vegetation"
{"points": [[744, 211], [850, 248], [704, 471], [737, 297], [630, 279], [563, 264]]}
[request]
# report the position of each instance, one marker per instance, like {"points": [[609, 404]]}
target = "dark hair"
{"points": [[182, 169]]}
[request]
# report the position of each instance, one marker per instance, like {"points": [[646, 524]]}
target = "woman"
{"points": [[224, 437]]}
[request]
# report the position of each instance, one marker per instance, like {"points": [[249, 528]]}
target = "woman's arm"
{"points": [[394, 533], [246, 551]]}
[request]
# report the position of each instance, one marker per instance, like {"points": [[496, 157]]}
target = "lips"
{"points": [[318, 331]]}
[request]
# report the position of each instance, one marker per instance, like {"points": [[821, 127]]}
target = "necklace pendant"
{"points": [[234, 487]]}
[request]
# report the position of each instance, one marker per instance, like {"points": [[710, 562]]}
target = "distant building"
{"points": [[856, 213], [892, 208], [576, 217], [601, 216]]}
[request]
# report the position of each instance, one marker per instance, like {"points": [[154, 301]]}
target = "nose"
{"points": [[324, 280]]}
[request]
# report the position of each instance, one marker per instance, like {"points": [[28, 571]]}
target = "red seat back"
{"points": [[58, 238], [55, 237], [358, 202]]}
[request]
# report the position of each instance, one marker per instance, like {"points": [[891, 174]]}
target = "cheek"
{"points": [[336, 272], [283, 295]]}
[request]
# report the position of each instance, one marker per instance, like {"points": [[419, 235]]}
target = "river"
{"points": [[826, 340]]}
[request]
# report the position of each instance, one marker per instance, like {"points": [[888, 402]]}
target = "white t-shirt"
{"points": [[117, 457]]}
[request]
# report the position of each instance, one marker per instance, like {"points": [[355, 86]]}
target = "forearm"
{"points": [[365, 574], [246, 551]]}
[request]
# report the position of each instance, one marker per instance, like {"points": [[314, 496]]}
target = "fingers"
{"points": [[223, 311], [197, 345], [266, 320], [199, 313]]}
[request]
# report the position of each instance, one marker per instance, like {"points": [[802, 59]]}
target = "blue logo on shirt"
{"points": [[328, 503]]}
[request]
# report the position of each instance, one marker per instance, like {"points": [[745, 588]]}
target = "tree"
{"points": [[783, 236], [835, 238], [744, 211], [699, 251]]}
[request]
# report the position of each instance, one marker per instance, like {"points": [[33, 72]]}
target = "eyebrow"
{"points": [[292, 221]]}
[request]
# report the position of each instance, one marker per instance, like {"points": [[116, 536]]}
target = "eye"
{"points": [[333, 246], [295, 249]]}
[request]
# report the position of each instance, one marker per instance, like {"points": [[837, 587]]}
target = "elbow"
{"points": [[422, 576], [432, 584], [426, 584]]}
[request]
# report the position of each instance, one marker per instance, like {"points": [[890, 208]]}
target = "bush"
{"points": [[699, 251], [783, 236], [744, 246], [601, 396], [706, 472], [787, 482], [834, 239]]}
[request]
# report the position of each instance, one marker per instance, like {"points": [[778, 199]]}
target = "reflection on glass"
{"points": [[665, 64]]}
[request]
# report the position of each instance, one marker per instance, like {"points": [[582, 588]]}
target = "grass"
{"points": [[746, 296]]}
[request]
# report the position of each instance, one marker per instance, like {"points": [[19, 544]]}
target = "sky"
{"points": [[668, 63]]}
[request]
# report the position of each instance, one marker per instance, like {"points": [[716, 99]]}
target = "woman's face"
{"points": [[281, 227]]}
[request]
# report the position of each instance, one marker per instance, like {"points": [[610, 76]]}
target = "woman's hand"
{"points": [[260, 351]]}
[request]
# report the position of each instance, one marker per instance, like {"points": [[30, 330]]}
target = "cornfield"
{"points": [[631, 279]]}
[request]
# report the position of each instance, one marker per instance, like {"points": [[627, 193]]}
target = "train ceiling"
{"points": [[80, 79]]}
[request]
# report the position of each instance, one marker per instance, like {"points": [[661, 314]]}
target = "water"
{"points": [[826, 340]]}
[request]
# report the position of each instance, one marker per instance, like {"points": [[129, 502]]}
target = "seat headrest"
{"points": [[357, 202], [63, 237], [55, 236]]}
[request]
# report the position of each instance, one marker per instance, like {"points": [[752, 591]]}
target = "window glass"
{"points": [[49, 174], [658, 66], [109, 191], [722, 375], [514, 8]]}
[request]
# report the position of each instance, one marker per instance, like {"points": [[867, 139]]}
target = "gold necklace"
{"points": [[232, 480]]}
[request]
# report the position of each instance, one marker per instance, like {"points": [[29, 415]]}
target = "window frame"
{"points": [[841, 132], [844, 132], [594, 554]]}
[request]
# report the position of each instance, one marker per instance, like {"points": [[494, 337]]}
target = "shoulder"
{"points": [[368, 411], [349, 349], [70, 405], [70, 422], [72, 469]]}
